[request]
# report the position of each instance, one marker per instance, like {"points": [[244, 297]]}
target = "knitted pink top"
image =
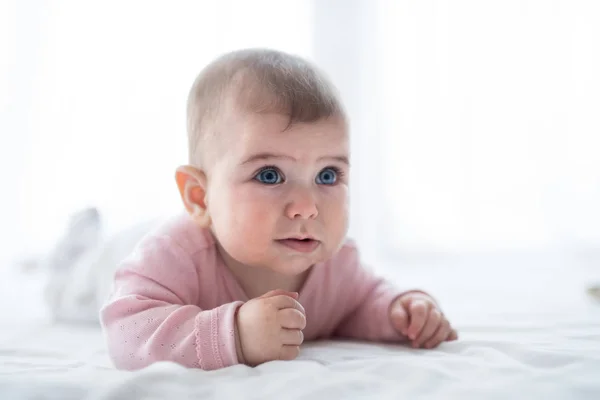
{"points": [[175, 300]]}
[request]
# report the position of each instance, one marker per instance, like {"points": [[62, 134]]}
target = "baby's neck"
{"points": [[256, 281]]}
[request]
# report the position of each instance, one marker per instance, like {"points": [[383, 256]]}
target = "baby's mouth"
{"points": [[306, 245]]}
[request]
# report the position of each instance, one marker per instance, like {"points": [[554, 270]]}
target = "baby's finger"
{"points": [[453, 335], [279, 292], [284, 301], [291, 318], [399, 318], [289, 352], [431, 326], [440, 335], [293, 337], [418, 311]]}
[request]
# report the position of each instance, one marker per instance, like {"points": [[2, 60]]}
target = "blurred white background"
{"points": [[476, 124]]}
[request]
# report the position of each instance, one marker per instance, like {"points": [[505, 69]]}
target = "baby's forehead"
{"points": [[252, 125], [273, 133]]}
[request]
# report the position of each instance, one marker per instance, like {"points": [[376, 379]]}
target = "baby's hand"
{"points": [[270, 328], [417, 316]]}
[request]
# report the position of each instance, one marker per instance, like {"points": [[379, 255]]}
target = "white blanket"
{"points": [[509, 360], [525, 333]]}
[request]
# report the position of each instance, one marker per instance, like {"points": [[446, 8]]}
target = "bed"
{"points": [[535, 336]]}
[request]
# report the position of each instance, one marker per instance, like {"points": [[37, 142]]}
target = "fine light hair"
{"points": [[259, 81]]}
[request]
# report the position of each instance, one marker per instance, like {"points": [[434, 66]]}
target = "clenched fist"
{"points": [[269, 328], [417, 316]]}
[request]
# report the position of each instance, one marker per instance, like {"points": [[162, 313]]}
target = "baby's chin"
{"points": [[296, 264], [284, 259], [294, 268], [288, 265]]}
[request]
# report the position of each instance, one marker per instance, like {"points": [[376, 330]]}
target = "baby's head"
{"points": [[268, 160]]}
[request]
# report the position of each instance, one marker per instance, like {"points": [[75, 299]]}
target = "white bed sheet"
{"points": [[514, 360], [548, 348]]}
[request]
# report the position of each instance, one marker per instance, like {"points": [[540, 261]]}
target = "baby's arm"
{"points": [[151, 314], [375, 310], [367, 301]]}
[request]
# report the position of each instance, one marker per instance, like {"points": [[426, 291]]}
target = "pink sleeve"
{"points": [[368, 299], [151, 314]]}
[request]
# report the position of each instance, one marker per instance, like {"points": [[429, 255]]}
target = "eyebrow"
{"points": [[269, 156]]}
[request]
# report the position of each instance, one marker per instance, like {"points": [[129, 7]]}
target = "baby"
{"points": [[260, 262]]}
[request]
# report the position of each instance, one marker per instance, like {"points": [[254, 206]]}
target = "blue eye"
{"points": [[269, 176], [328, 176]]}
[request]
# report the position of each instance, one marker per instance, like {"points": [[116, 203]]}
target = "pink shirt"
{"points": [[175, 300]]}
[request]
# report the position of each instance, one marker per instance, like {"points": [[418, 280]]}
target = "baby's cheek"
{"points": [[335, 223], [336, 214], [251, 227]]}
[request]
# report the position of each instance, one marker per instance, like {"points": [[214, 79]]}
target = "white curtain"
{"points": [[490, 138], [475, 123]]}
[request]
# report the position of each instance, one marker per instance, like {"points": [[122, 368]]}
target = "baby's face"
{"points": [[279, 199]]}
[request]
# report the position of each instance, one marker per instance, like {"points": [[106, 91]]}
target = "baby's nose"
{"points": [[302, 204]]}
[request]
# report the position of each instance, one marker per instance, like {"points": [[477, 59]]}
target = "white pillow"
{"points": [[81, 266]]}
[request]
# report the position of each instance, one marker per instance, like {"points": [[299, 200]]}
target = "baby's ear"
{"points": [[192, 188]]}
